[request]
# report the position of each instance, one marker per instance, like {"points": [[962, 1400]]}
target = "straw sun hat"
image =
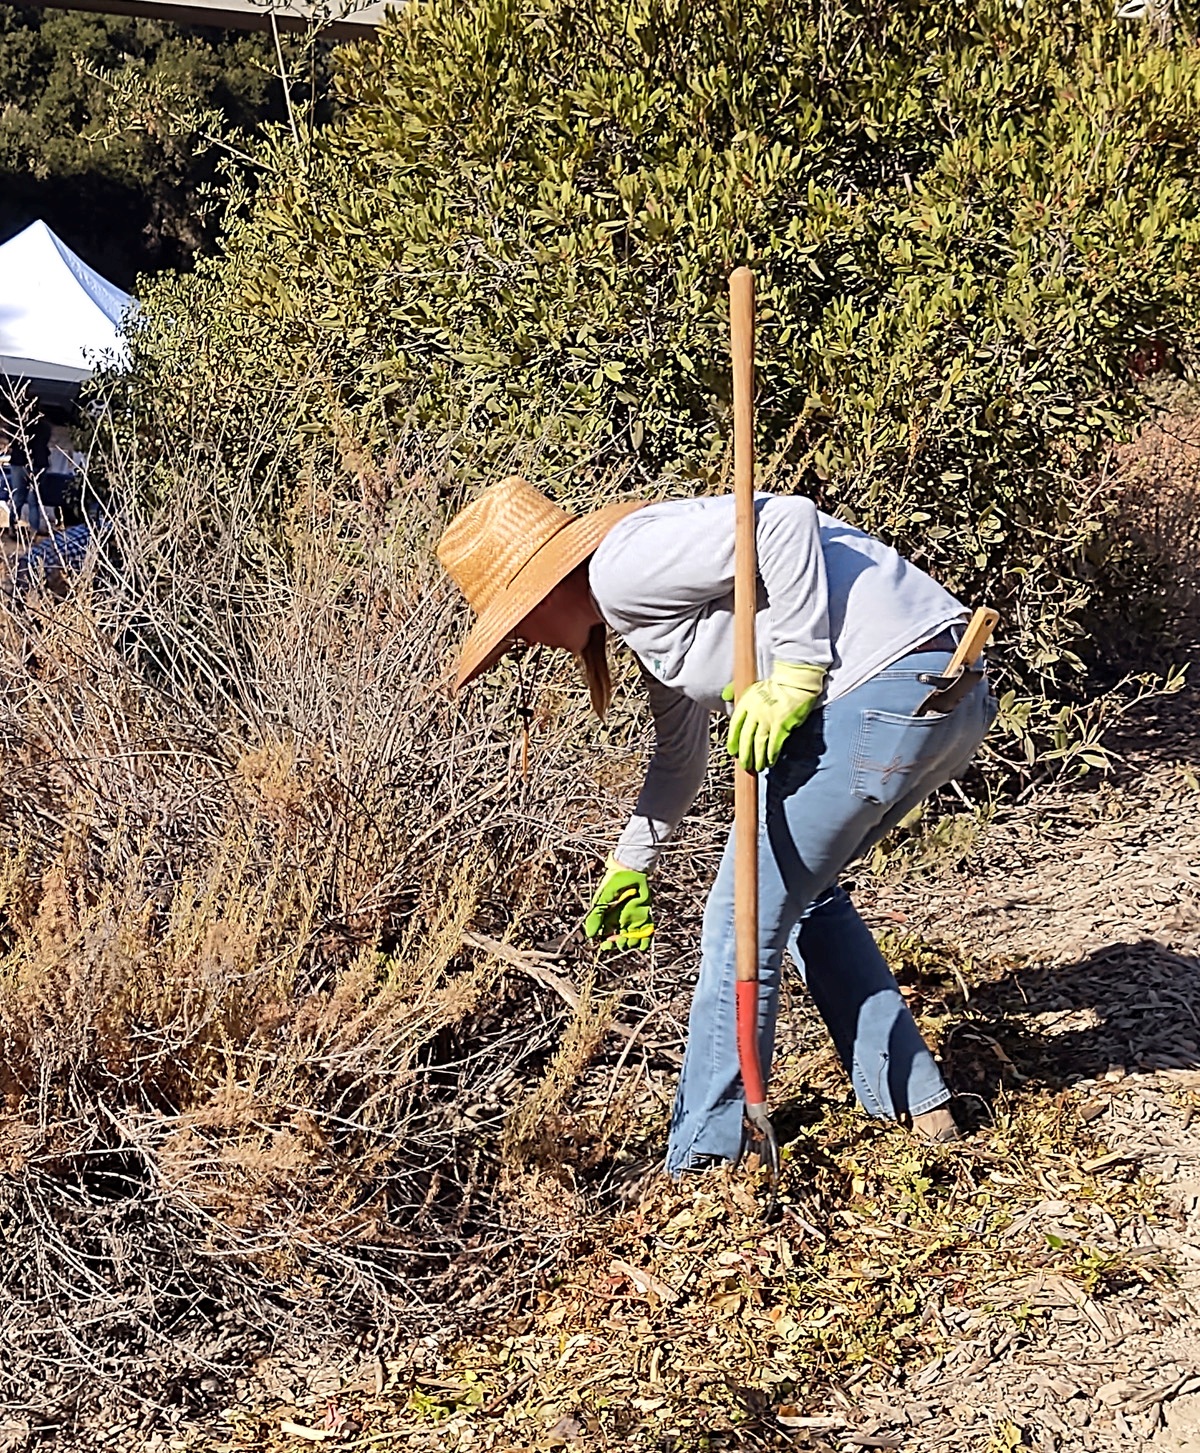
{"points": [[506, 552]]}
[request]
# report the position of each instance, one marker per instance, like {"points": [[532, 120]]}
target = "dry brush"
{"points": [[253, 1081]]}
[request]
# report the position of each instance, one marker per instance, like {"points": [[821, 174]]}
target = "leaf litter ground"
{"points": [[1035, 1285]]}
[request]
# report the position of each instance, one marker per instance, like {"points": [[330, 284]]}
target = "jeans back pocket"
{"points": [[894, 755]]}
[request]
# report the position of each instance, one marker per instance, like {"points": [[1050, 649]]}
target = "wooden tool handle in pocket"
{"points": [[974, 642]]}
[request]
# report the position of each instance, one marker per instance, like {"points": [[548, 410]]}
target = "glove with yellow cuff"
{"points": [[769, 711], [621, 915]]}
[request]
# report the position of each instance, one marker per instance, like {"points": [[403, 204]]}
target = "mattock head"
{"points": [[759, 1134]]}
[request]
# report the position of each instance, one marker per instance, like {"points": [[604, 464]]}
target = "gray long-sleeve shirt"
{"points": [[828, 595]]}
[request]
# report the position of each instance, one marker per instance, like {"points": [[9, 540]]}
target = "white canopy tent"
{"points": [[59, 319]]}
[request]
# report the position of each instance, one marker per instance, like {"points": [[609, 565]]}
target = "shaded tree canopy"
{"points": [[104, 127]]}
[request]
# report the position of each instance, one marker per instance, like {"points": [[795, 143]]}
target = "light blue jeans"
{"points": [[844, 780]]}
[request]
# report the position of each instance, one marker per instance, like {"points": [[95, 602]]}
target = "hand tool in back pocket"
{"points": [[963, 672]]}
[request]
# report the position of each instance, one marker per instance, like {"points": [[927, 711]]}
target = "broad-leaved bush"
{"points": [[969, 227]]}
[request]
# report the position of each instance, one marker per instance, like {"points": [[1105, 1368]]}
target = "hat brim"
{"points": [[490, 636]]}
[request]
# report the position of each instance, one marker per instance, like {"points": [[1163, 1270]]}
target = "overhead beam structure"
{"points": [[342, 19]]}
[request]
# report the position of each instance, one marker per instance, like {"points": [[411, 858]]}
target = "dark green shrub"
{"points": [[965, 223]]}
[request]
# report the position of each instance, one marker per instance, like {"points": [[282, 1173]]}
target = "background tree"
{"points": [[107, 126]]}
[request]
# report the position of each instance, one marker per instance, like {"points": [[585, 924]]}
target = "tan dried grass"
{"points": [[244, 1059]]}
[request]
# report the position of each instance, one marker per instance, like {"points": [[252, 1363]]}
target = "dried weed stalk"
{"points": [[250, 1077]]}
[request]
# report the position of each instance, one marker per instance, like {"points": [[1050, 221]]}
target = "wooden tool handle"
{"points": [[745, 668], [745, 575], [974, 642]]}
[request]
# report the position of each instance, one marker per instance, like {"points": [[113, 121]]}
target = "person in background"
{"points": [[55, 560], [59, 475], [6, 514], [30, 461]]}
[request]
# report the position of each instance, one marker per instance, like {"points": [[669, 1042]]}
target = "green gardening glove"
{"points": [[769, 711], [621, 915]]}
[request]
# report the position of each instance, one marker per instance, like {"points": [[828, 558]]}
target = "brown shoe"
{"points": [[936, 1125]]}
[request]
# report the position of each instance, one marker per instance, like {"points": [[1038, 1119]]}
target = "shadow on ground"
{"points": [[1125, 1007]]}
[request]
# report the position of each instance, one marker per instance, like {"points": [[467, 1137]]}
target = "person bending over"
{"points": [[849, 634]]}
